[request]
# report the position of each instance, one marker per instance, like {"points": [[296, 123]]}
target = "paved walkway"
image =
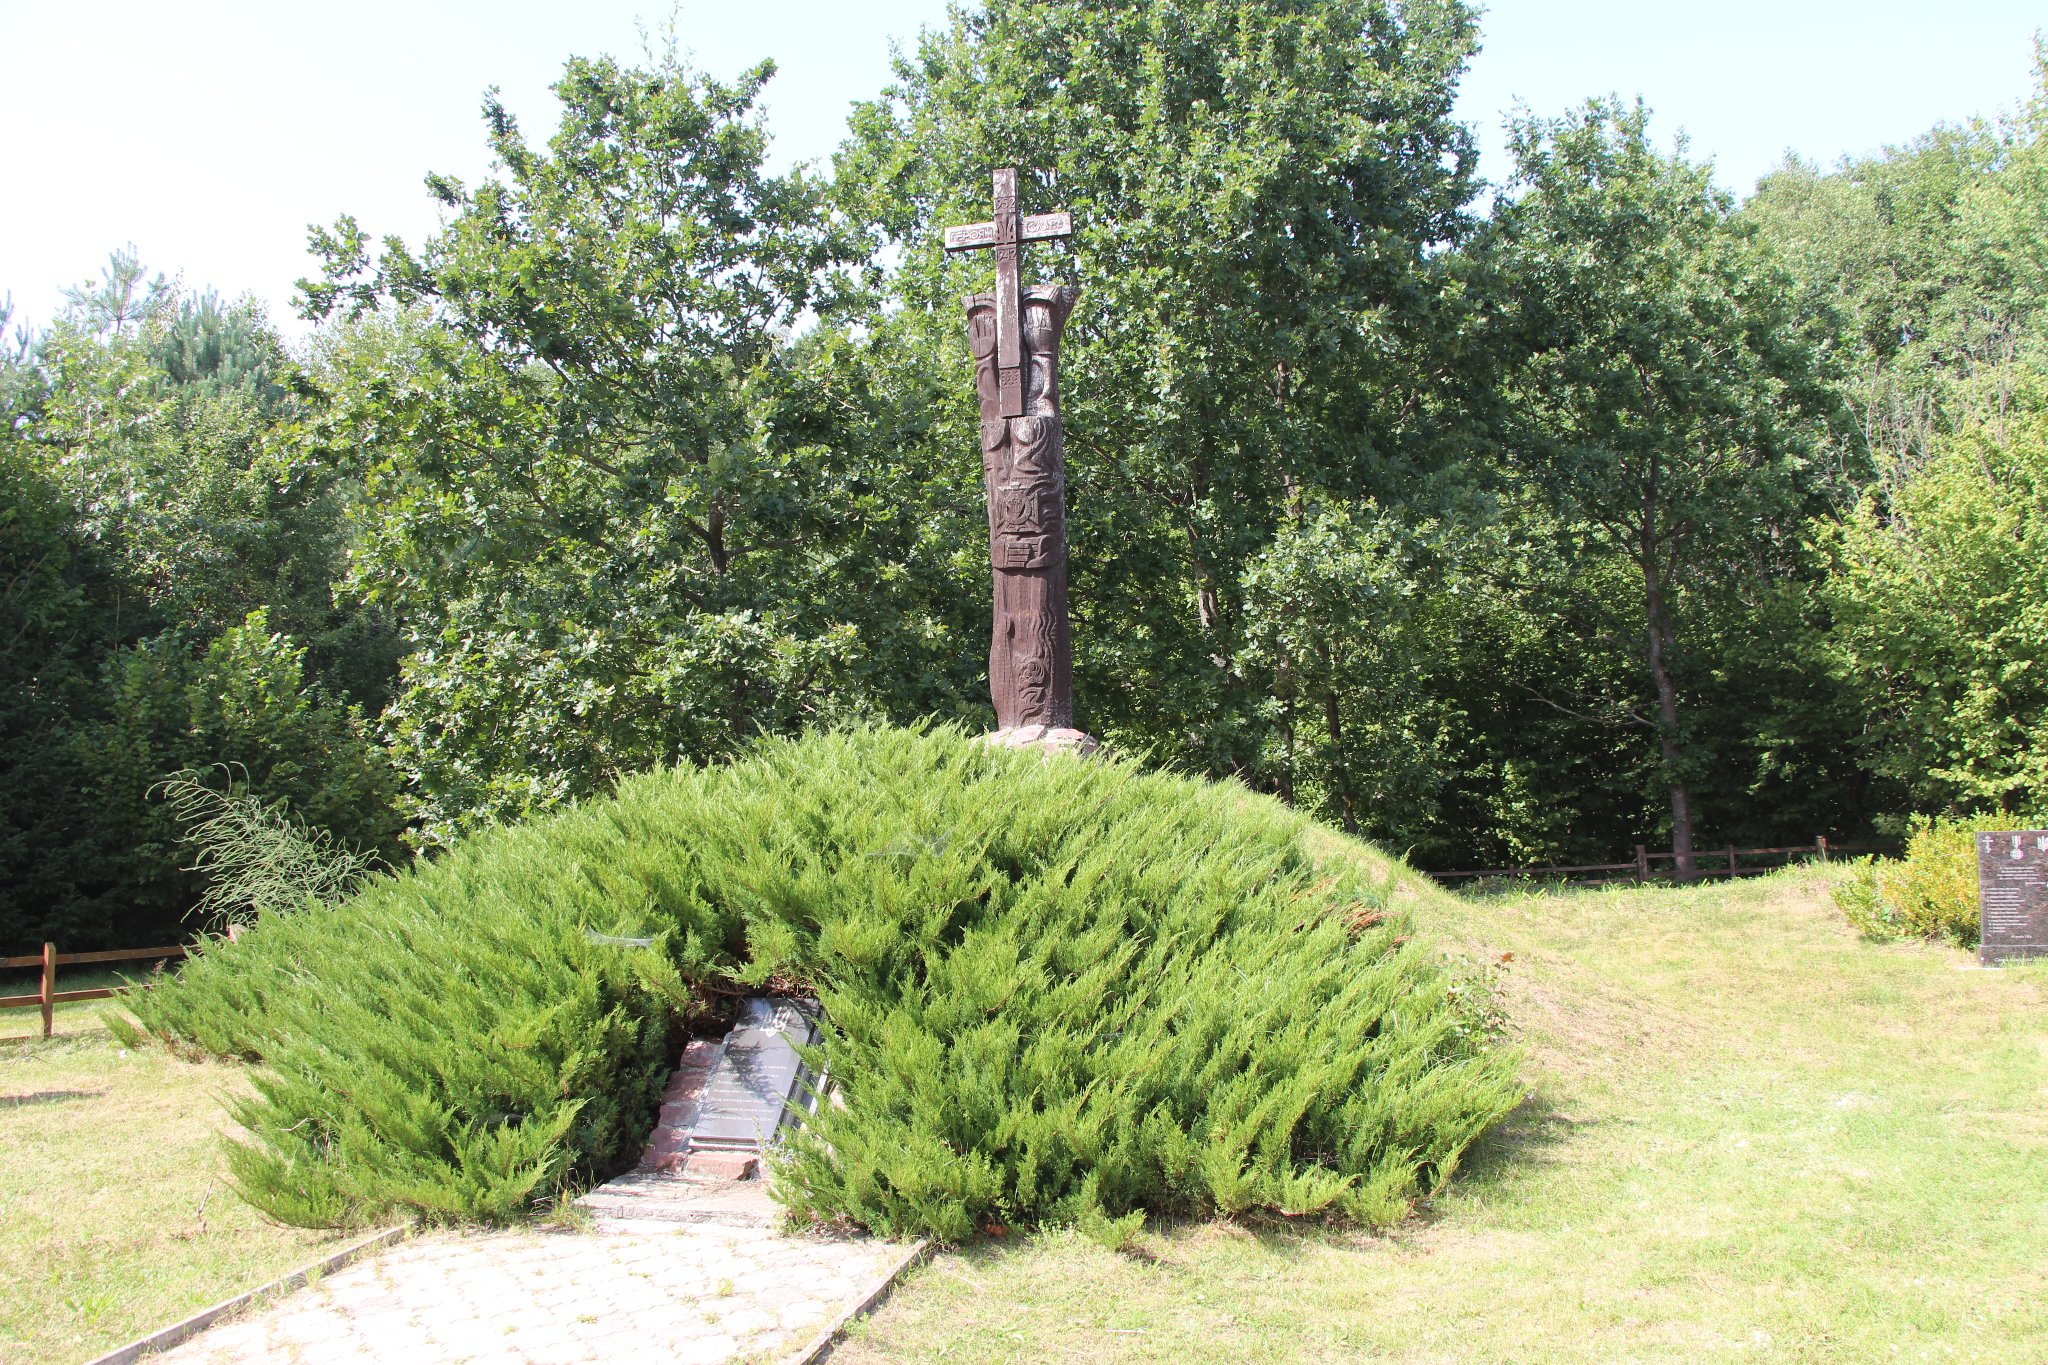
{"points": [[686, 1278]]}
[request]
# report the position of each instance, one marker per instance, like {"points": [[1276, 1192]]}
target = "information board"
{"points": [[2012, 890]]}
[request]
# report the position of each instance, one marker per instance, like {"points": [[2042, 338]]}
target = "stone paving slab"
{"points": [[678, 1197], [628, 1290]]}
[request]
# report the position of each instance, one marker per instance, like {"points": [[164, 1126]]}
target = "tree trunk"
{"points": [[1660, 638], [1340, 779], [714, 539], [1283, 685]]}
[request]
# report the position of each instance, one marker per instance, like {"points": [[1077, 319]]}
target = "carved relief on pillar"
{"points": [[1024, 474]]}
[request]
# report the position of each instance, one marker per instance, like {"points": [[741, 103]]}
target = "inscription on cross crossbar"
{"points": [[1006, 234]]}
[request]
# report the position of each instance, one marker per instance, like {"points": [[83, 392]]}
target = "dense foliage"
{"points": [[1928, 892], [1664, 399], [1054, 990], [1519, 528], [168, 563], [598, 505], [1940, 601]]}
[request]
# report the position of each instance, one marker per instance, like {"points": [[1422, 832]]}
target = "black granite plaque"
{"points": [[757, 1079], [2012, 889]]}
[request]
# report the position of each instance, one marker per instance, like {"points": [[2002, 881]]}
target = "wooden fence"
{"points": [[1707, 862], [50, 960]]}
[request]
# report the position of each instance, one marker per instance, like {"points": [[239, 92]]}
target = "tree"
{"points": [[123, 298], [1259, 190], [54, 627], [1932, 263], [173, 546], [1926, 265], [1940, 596], [2003, 236], [1343, 618], [606, 496], [241, 702], [1668, 401]]}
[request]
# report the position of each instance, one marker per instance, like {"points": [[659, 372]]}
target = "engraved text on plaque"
{"points": [[2012, 884]]}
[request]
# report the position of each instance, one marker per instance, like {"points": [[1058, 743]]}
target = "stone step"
{"points": [[642, 1197]]}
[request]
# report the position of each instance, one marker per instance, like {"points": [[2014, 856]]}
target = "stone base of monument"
{"points": [[668, 1147], [726, 1105], [1051, 738]]}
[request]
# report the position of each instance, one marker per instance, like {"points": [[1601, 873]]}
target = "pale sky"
{"points": [[211, 132]]}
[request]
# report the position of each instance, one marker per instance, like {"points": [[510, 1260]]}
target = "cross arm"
{"points": [[1037, 227]]}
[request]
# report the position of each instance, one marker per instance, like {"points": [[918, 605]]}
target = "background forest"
{"points": [[1516, 522]]}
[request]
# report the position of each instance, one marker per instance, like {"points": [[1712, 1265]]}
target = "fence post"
{"points": [[1731, 860], [49, 983], [1642, 864], [1820, 841]]}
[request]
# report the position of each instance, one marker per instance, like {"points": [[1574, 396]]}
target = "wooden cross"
{"points": [[1006, 234]]}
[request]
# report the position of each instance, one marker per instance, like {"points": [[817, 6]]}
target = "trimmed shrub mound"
{"points": [[1056, 990]]}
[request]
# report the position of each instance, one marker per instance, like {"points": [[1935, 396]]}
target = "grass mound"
{"points": [[1056, 990]]}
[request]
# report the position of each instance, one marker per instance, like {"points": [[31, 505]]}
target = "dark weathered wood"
{"points": [[114, 955], [1014, 334], [35, 998], [1521, 871], [46, 995], [1799, 848], [969, 236], [1037, 227], [1640, 869], [119, 955], [1009, 346]]}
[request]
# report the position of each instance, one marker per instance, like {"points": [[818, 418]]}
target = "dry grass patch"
{"points": [[114, 1220]]}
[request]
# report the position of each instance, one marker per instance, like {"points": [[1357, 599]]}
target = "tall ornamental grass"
{"points": [[1055, 990]]}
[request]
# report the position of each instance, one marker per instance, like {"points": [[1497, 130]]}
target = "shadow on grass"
{"points": [[48, 1097], [1526, 1140]]}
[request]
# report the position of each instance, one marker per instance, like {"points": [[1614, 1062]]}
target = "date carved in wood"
{"points": [[1014, 333]]}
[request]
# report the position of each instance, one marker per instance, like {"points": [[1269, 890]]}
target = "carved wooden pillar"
{"points": [[1030, 662]]}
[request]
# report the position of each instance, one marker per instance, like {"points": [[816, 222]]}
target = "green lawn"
{"points": [[113, 1218], [1753, 1137]]}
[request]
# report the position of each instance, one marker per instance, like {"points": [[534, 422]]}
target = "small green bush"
{"points": [[1056, 991], [1930, 892]]}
